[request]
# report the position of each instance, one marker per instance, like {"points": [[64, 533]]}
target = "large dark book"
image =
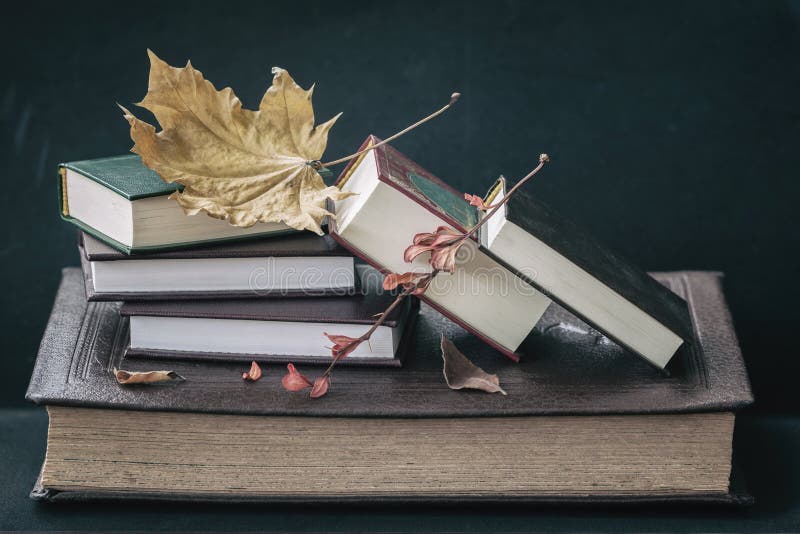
{"points": [[123, 203], [272, 330], [581, 421], [300, 264], [505, 279]]}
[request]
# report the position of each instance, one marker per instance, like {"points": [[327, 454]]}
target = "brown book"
{"points": [[581, 421], [299, 264]]}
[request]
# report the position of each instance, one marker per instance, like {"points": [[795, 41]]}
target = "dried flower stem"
{"points": [[366, 335], [453, 99], [422, 283], [543, 159]]}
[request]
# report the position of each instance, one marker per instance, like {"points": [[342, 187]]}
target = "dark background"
{"points": [[674, 129]]}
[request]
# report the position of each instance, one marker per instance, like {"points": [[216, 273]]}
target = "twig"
{"points": [[453, 99]]}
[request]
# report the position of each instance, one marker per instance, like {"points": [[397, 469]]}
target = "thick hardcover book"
{"points": [[546, 258], [271, 330], [576, 381], [124, 204], [301, 264], [396, 199]]}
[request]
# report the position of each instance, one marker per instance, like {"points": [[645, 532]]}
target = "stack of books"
{"points": [[199, 288], [621, 386]]}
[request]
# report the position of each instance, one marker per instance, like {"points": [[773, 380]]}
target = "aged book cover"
{"points": [[579, 393], [299, 264]]}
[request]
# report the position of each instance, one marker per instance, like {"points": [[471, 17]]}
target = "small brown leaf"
{"points": [[460, 373], [294, 381], [443, 244], [419, 281], [343, 345], [475, 200], [253, 374], [320, 387], [144, 377]]}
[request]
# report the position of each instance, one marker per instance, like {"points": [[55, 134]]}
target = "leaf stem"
{"points": [[425, 281], [395, 303], [543, 159], [453, 99]]}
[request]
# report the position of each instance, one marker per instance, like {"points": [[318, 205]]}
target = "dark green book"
{"points": [[126, 205]]}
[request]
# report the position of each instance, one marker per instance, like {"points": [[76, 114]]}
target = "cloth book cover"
{"points": [[574, 244], [125, 180], [573, 370], [265, 276], [295, 323]]}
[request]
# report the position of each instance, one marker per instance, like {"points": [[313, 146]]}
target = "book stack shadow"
{"points": [[622, 386]]}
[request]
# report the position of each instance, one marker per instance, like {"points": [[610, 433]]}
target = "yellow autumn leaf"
{"points": [[235, 164]]}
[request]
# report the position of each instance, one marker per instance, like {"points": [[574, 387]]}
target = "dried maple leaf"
{"points": [[460, 373], [235, 164], [144, 377], [253, 374]]}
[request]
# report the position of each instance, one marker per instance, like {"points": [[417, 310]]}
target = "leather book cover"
{"points": [[572, 369], [305, 244]]}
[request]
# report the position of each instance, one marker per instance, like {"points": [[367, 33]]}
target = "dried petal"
{"points": [[320, 387], [419, 281], [406, 279], [294, 381], [422, 286], [427, 238], [253, 374], [432, 242], [415, 250], [343, 345], [460, 373], [475, 200], [444, 259], [144, 377]]}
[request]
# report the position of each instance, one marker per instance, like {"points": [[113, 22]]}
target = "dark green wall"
{"points": [[673, 126]]}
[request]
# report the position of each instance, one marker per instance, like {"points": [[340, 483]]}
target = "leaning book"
{"points": [[506, 278], [582, 422]]}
